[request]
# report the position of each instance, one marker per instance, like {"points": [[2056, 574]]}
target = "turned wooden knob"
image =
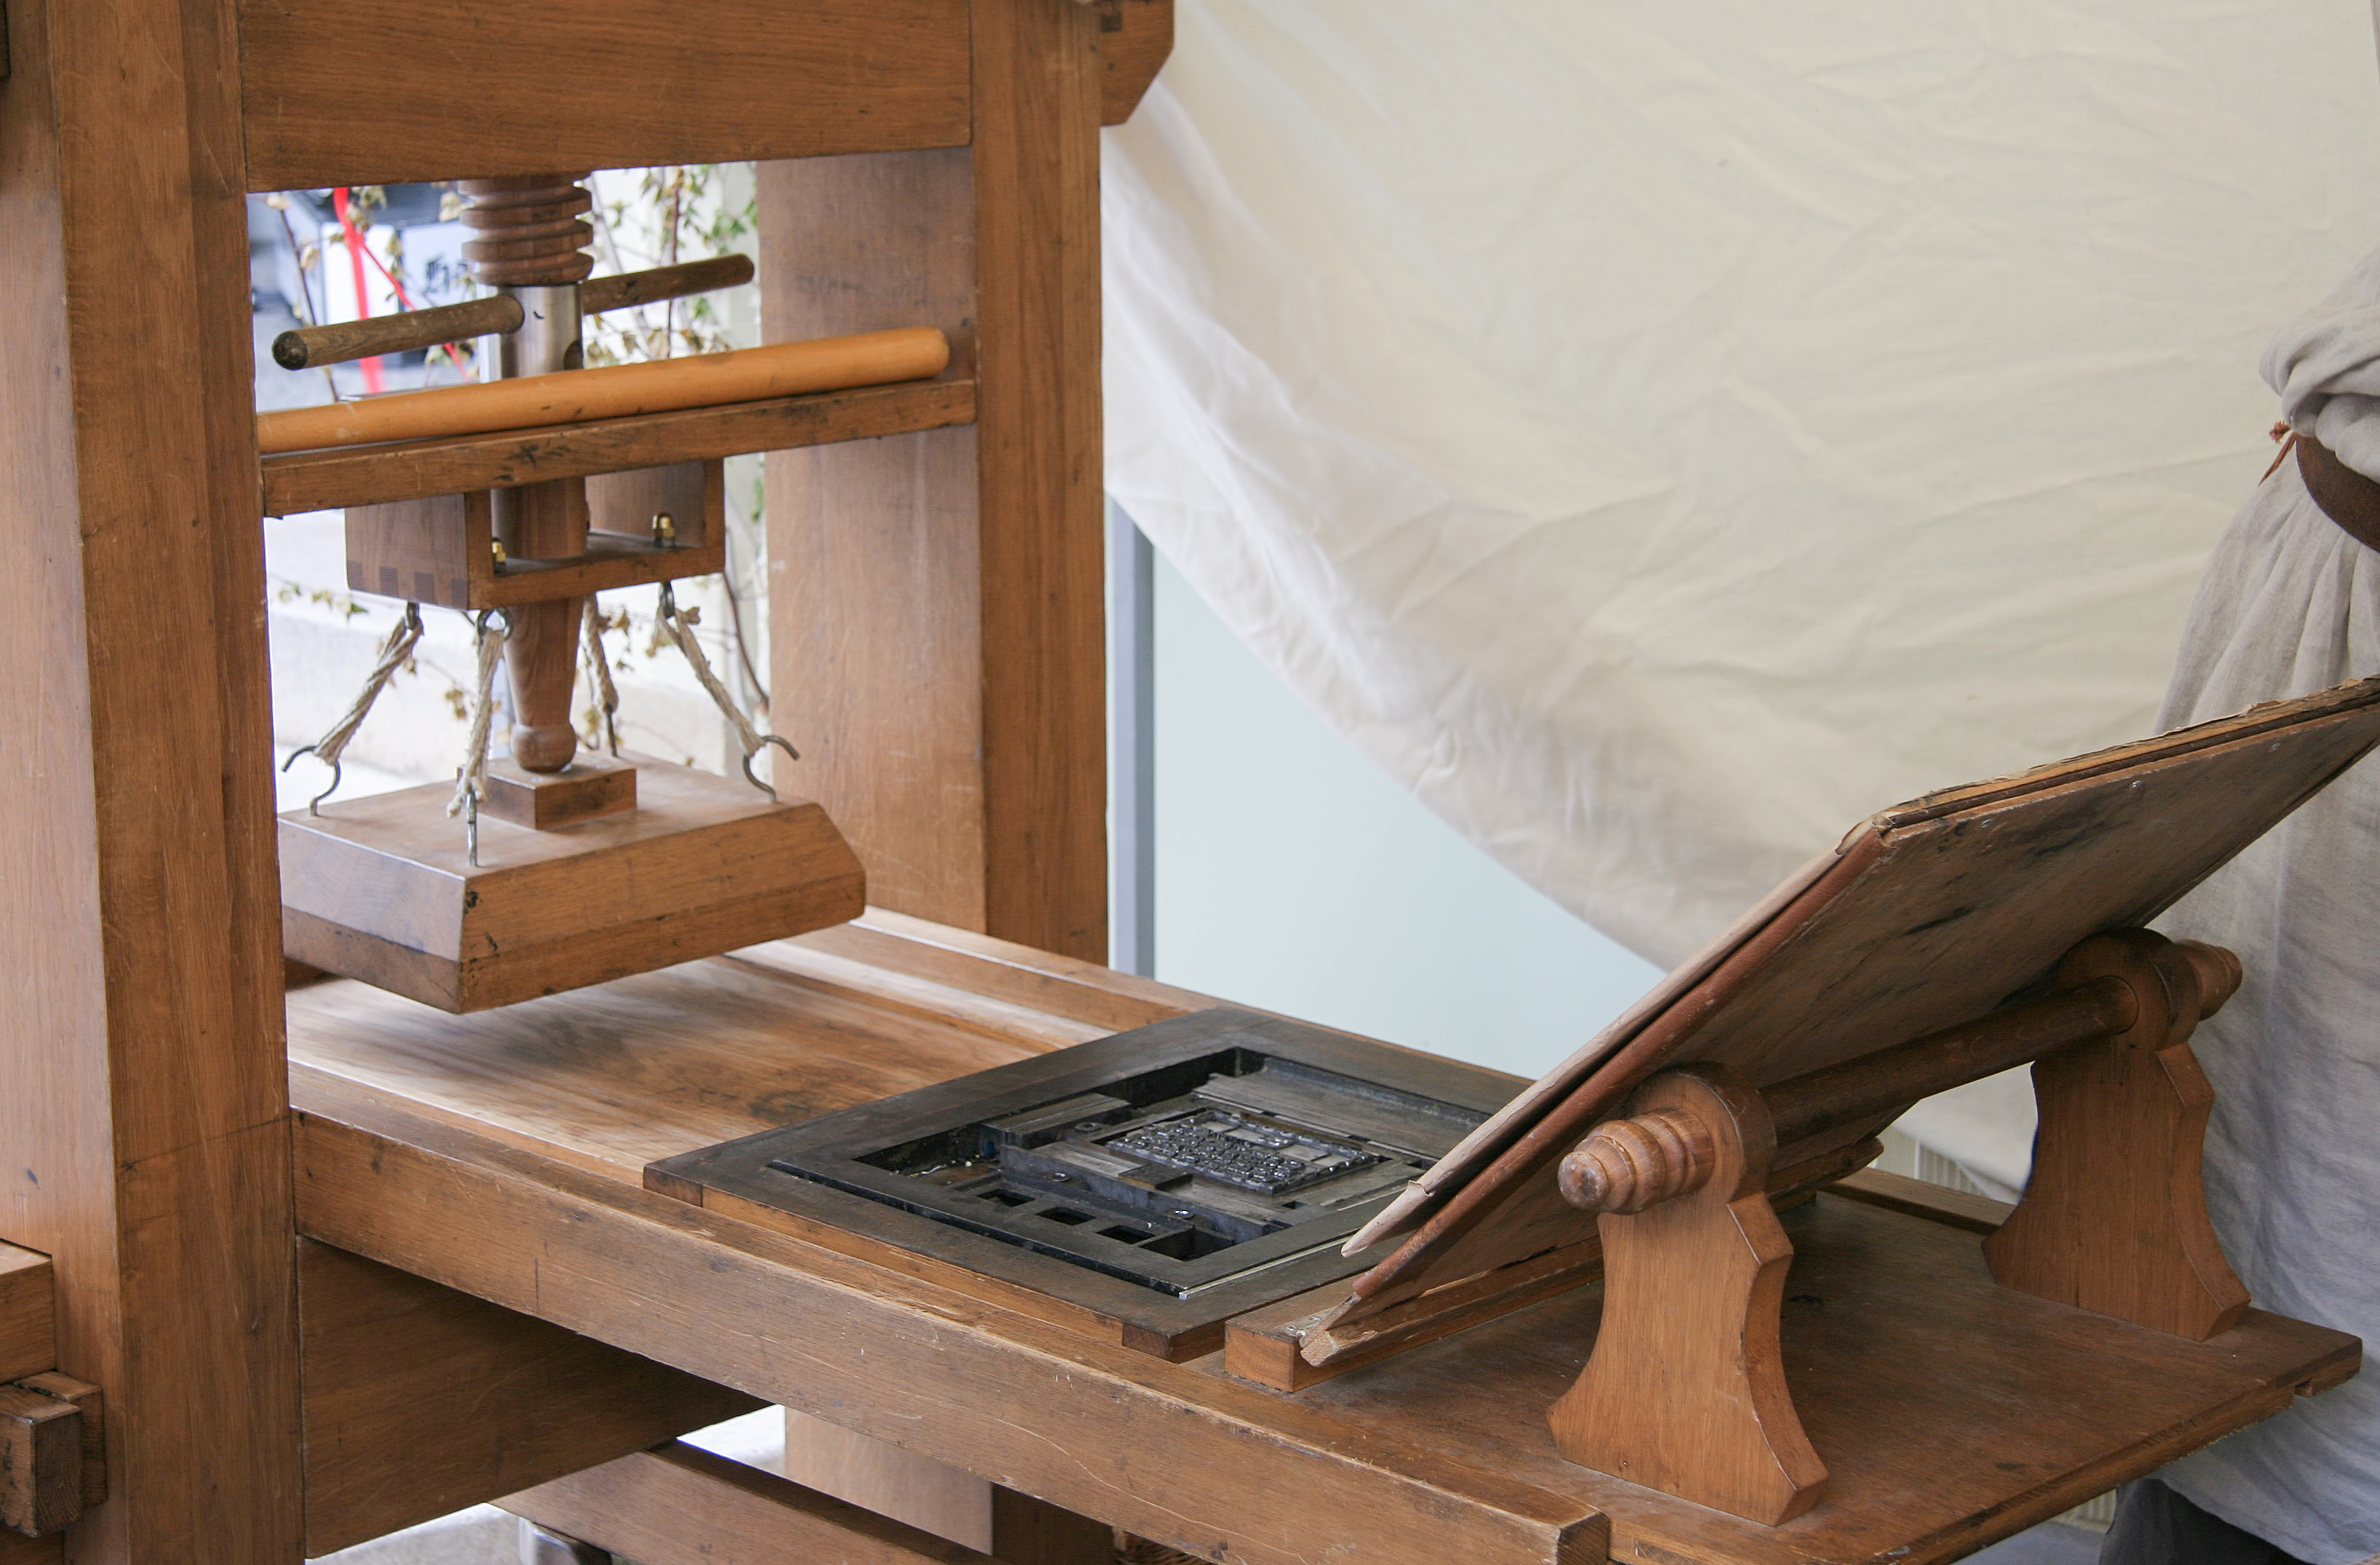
{"points": [[1627, 1165], [2218, 974]]}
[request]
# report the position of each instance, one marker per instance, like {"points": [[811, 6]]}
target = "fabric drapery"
{"points": [[1659, 438]]}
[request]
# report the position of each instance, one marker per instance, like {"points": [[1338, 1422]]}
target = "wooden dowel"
{"points": [[599, 294], [1820, 1101], [615, 391], [1627, 1165], [309, 348]]}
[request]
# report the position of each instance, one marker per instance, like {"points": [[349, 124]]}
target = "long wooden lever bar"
{"points": [[613, 390], [309, 348], [1628, 1165]]}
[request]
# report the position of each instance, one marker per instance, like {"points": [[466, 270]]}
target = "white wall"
{"points": [[1293, 874]]}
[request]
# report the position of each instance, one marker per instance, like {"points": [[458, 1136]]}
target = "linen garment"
{"points": [[2291, 604]]}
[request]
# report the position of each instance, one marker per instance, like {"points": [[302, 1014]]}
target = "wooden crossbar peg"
{"points": [[1685, 1391], [2114, 1218]]}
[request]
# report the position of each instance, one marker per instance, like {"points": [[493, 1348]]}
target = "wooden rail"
{"points": [[314, 481]]}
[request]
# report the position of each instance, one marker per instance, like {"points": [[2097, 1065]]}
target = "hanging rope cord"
{"points": [[598, 669], [674, 623], [395, 653], [471, 782]]}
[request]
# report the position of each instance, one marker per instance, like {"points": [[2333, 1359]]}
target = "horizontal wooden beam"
{"points": [[679, 1505], [420, 1400], [370, 475], [29, 1340], [355, 92], [1031, 1406]]}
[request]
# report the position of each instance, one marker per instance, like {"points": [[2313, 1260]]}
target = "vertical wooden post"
{"points": [[142, 1098], [937, 616]]}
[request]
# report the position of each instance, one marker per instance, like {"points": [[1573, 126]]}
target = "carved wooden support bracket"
{"points": [[1686, 1389]]}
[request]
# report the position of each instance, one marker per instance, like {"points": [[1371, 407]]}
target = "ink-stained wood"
{"points": [[937, 602], [744, 1177], [1950, 1410], [941, 1375], [420, 1400], [29, 1337], [1929, 915], [609, 1078], [381, 889], [91, 1402], [144, 1109], [680, 1504], [343, 92], [41, 1462], [1135, 38], [314, 481]]}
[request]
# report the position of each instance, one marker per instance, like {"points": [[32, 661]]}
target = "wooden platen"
{"points": [[380, 888]]}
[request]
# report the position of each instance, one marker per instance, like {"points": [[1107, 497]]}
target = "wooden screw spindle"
{"points": [[531, 242]]}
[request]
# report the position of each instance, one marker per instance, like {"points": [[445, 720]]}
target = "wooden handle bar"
{"points": [[573, 396], [309, 347], [599, 294], [1627, 1165]]}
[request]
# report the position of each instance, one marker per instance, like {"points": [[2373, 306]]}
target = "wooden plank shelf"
{"points": [[370, 475]]}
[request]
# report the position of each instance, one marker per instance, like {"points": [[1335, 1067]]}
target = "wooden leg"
{"points": [[2114, 1218], [1685, 1391], [538, 1545], [1026, 1531]]}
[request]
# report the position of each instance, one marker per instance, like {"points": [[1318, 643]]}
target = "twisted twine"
{"points": [[672, 621]]}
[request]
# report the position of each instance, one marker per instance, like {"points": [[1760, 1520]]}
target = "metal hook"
{"points": [[766, 740], [337, 771]]}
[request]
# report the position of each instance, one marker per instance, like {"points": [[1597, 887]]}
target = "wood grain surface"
{"points": [[1026, 1405], [418, 1399], [29, 1336], [316, 480], [1929, 915], [380, 888], [680, 1504], [937, 610], [498, 1153], [144, 1106], [343, 92]]}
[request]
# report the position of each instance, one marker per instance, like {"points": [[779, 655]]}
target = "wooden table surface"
{"points": [[502, 1154]]}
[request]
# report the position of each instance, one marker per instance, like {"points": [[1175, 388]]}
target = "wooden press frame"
{"points": [[940, 632]]}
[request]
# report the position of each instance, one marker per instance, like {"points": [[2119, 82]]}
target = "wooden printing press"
{"points": [[638, 1119]]}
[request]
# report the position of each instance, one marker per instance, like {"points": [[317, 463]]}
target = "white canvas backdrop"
{"points": [[1660, 436]]}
